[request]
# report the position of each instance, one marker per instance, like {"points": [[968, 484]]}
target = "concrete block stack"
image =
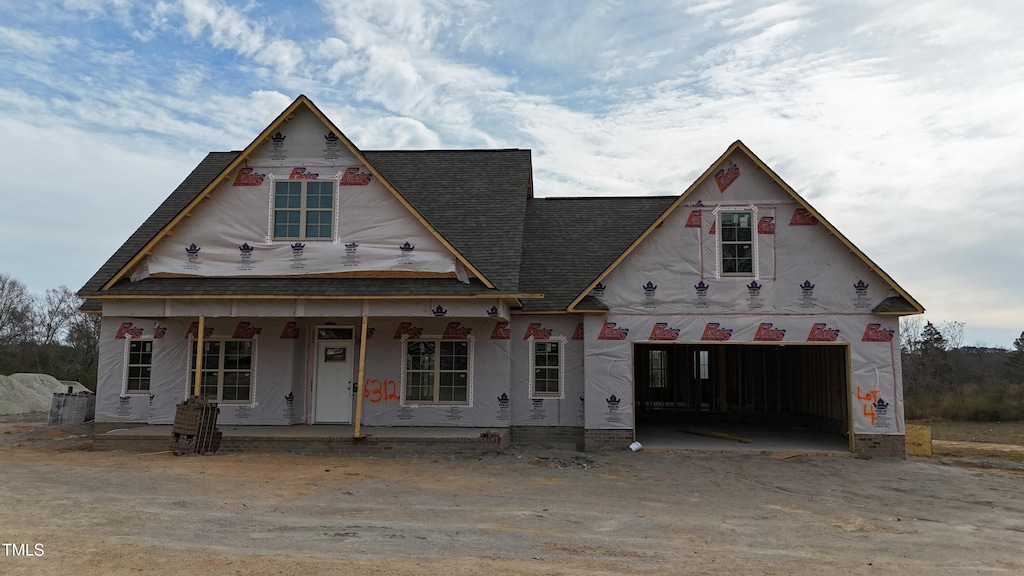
{"points": [[195, 427]]}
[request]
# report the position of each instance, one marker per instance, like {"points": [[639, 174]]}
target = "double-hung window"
{"points": [[737, 241], [227, 370], [437, 371], [546, 368], [139, 368], [303, 210]]}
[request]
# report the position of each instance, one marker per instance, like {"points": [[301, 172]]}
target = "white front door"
{"points": [[332, 384]]}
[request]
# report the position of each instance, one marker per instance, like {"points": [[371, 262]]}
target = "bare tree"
{"points": [[953, 332], [54, 314], [1015, 361], [82, 350], [910, 333], [15, 311]]}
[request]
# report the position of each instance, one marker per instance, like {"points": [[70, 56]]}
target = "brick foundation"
{"points": [[607, 440], [880, 446], [408, 447], [564, 437]]}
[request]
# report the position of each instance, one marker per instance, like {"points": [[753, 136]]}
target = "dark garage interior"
{"points": [[742, 396]]}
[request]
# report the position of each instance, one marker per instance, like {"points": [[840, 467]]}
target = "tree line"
{"points": [[47, 333], [944, 379]]}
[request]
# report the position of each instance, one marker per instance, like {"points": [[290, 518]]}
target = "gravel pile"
{"points": [[23, 392]]}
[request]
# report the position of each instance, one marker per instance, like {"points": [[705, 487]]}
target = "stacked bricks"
{"points": [[195, 427], [607, 440], [880, 446], [563, 437]]}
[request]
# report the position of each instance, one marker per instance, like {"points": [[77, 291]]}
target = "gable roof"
{"points": [[570, 241], [243, 156], [906, 305], [452, 193], [208, 170]]}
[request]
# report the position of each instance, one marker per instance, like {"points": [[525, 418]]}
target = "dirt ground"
{"points": [[523, 512]]}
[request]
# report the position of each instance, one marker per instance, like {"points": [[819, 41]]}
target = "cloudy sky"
{"points": [[901, 122]]}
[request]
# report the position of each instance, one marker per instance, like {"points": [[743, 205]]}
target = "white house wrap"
{"points": [[485, 306]]}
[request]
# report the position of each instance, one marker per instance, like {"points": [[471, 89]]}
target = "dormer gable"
{"points": [[300, 200]]}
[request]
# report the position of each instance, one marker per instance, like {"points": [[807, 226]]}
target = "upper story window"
{"points": [[303, 210], [737, 237]]}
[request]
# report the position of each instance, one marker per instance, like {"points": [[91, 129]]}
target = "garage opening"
{"points": [[746, 396]]}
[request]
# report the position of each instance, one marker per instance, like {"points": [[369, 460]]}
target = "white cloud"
{"points": [[33, 44], [708, 6], [896, 120], [231, 29]]}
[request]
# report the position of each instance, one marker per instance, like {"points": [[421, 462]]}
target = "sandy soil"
{"points": [[524, 512], [952, 445]]}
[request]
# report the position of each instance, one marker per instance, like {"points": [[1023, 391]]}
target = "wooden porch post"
{"points": [[199, 355], [359, 382]]}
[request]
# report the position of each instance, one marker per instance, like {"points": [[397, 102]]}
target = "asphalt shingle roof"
{"points": [[895, 305], [192, 186], [568, 242], [476, 199]]}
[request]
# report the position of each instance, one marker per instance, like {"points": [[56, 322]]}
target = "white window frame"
{"points": [[470, 341], [125, 377], [721, 242], [191, 372], [560, 394], [303, 210]]}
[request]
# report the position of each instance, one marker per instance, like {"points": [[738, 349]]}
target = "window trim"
{"points": [[303, 210], [560, 395], [721, 242], [190, 372], [471, 353], [127, 365]]}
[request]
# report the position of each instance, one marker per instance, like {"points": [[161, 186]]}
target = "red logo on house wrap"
{"points": [[535, 331], [456, 331], [822, 333], [693, 221], [766, 225], [127, 330], [875, 333], [611, 332], [246, 177], [727, 176], [802, 217], [714, 332], [193, 331], [765, 333], [407, 329], [501, 332], [245, 330], [300, 173], [578, 333], [354, 177], [661, 331]]}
